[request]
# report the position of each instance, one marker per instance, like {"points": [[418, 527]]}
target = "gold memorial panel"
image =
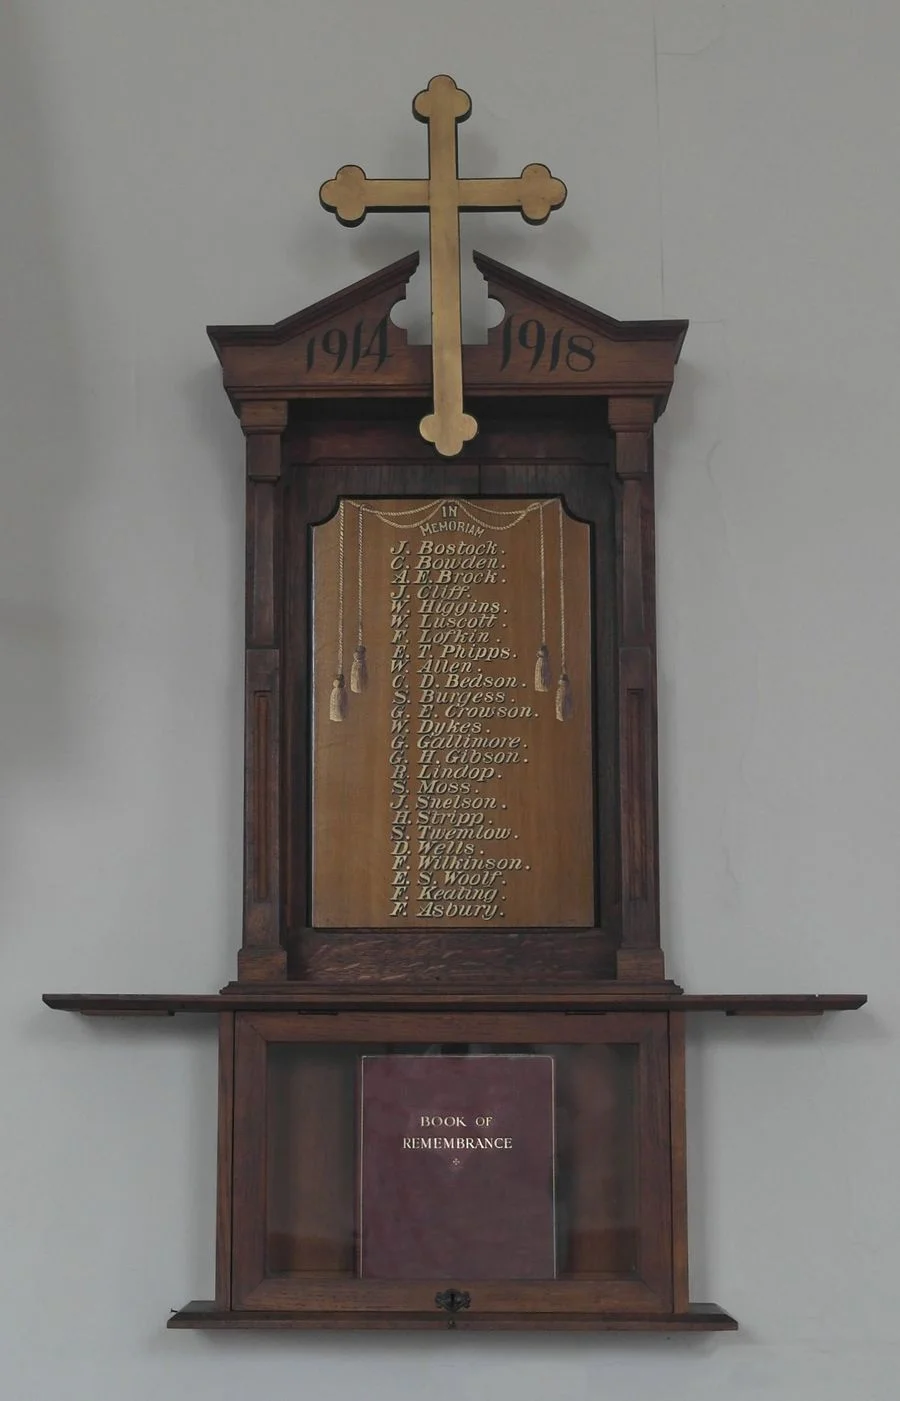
{"points": [[452, 700]]}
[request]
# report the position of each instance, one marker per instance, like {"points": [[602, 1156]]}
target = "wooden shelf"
{"points": [[572, 998], [699, 1318]]}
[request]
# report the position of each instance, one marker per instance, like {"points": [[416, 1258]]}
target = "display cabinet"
{"points": [[451, 1064]]}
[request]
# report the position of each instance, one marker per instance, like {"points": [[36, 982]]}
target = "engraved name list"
{"points": [[451, 760]]}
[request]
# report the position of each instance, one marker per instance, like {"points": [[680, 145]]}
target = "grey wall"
{"points": [[732, 162]]}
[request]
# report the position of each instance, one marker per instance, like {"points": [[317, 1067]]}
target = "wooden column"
{"points": [[678, 1159], [225, 1160], [262, 958], [640, 958]]}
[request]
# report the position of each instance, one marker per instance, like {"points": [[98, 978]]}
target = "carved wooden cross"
{"points": [[351, 195]]}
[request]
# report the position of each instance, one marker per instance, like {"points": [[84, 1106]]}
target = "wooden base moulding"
{"points": [[698, 1318], [332, 1000]]}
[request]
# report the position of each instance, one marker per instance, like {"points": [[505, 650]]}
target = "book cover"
{"points": [[457, 1167]]}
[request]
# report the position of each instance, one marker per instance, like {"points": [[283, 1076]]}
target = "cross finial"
{"points": [[351, 195]]}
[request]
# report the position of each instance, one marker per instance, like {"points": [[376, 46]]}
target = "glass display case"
{"points": [[522, 1161]]}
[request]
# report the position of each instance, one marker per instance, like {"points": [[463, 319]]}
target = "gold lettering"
{"points": [[440, 1144]]}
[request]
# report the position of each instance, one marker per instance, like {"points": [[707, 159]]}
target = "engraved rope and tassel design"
{"points": [[359, 671], [337, 705], [412, 519], [543, 677], [564, 705], [543, 674]]}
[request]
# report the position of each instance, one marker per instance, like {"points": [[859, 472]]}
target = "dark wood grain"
{"points": [[409, 1027], [262, 798], [225, 1160], [699, 1318], [597, 1193], [640, 956], [262, 956], [367, 956], [493, 1299], [315, 999], [248, 1237], [311, 1197], [678, 1139]]}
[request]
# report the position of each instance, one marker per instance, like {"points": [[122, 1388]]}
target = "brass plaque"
{"points": [[452, 736]]}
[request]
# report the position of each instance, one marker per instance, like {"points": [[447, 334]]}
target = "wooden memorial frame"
{"points": [[329, 401], [538, 413]]}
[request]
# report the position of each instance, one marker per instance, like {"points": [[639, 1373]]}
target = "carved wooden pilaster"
{"points": [[640, 958], [262, 957]]}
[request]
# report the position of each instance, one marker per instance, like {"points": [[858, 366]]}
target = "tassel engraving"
{"points": [[359, 671], [337, 702], [564, 704], [478, 519], [337, 709], [543, 679]]}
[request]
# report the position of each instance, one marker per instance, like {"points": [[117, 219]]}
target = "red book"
{"points": [[457, 1167]]}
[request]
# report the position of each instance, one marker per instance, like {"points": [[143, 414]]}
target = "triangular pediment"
{"points": [[506, 285], [547, 344], [382, 289]]}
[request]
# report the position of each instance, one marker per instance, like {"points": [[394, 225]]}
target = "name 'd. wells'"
{"points": [[455, 1121]]}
